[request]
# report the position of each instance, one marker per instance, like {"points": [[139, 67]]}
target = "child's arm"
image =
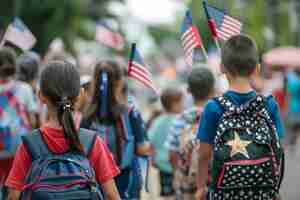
{"points": [[144, 149], [205, 152], [143, 146], [110, 190], [14, 194]]}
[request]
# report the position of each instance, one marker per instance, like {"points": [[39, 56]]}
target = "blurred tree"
{"points": [[49, 19], [7, 10]]}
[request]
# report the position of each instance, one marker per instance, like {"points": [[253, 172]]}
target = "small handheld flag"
{"points": [[222, 25], [190, 38], [18, 34], [108, 37], [138, 71]]}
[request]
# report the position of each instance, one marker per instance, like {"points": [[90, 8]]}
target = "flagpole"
{"points": [[204, 53], [217, 45], [212, 27], [133, 47]]}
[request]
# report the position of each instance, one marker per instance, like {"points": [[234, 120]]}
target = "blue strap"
{"points": [[87, 139], [103, 85], [35, 145], [126, 126]]}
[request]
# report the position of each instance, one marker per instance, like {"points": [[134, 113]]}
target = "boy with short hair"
{"points": [[172, 102], [239, 131], [181, 142]]}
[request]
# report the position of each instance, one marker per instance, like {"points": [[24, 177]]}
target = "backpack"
{"points": [[13, 122], [108, 133], [185, 174], [248, 159], [66, 176], [130, 122]]}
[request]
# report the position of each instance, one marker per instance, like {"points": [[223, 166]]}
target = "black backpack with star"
{"points": [[248, 160]]}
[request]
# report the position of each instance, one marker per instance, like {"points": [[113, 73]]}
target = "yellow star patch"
{"points": [[238, 146]]}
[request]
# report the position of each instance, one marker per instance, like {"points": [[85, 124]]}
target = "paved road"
{"points": [[291, 182]]}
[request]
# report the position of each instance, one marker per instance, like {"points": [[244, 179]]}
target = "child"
{"points": [[28, 68], [172, 101], [239, 132], [59, 90], [119, 124], [28, 65], [17, 107], [181, 141]]}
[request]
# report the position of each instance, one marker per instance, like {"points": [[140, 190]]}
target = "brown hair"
{"points": [[60, 83], [170, 96], [114, 108]]}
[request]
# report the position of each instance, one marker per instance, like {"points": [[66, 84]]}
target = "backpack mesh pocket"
{"points": [[247, 174]]}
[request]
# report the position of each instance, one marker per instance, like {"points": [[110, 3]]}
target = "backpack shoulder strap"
{"points": [[87, 139], [35, 144], [126, 121], [226, 103], [257, 103]]}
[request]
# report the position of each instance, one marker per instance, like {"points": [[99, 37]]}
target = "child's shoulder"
{"points": [[271, 104], [213, 105]]}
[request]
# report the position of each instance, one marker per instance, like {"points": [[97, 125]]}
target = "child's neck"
{"points": [[241, 85], [53, 121], [200, 103]]}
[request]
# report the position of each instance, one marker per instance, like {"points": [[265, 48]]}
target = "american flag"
{"points": [[221, 24], [108, 37], [137, 69], [190, 38], [18, 34]]}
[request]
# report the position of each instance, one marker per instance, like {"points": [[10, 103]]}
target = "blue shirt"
{"points": [[213, 112], [158, 133]]}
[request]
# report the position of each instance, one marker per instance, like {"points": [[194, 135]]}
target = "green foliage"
{"points": [[49, 19], [71, 19]]}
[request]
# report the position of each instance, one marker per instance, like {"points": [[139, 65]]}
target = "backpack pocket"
{"points": [[247, 174]]}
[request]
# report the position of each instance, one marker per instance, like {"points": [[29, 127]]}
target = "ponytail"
{"points": [[66, 120]]}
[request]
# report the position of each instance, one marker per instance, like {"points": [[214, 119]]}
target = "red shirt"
{"points": [[100, 157]]}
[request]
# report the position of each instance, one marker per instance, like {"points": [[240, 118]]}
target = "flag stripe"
{"points": [[228, 32], [140, 72], [189, 50], [141, 68], [137, 70], [190, 38], [223, 35], [227, 26], [190, 44], [142, 80], [145, 81], [187, 38], [230, 28], [233, 20]]}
